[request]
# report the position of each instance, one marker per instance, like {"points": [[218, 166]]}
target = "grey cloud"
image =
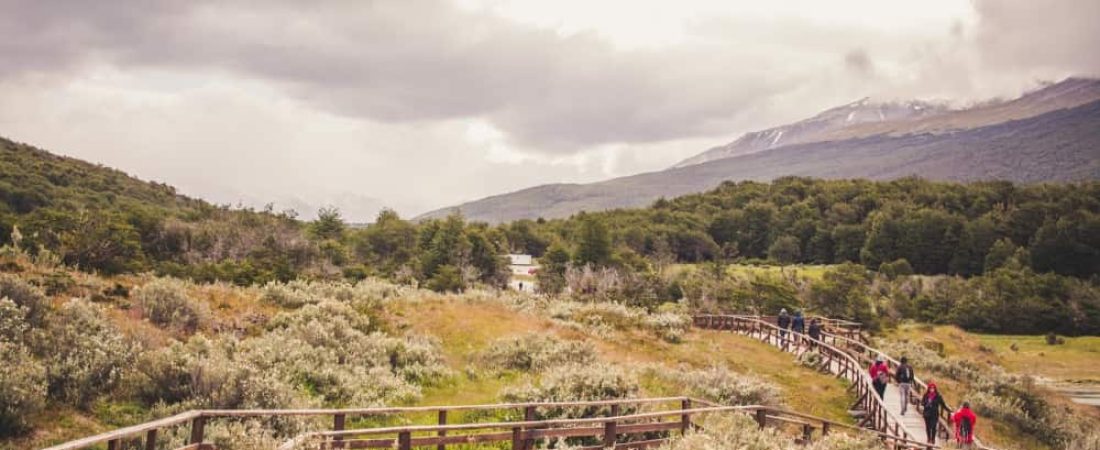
{"points": [[407, 61], [1059, 35], [859, 62]]}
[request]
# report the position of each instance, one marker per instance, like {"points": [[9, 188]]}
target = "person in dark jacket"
{"points": [[931, 403], [798, 323], [784, 322], [904, 376], [815, 332]]}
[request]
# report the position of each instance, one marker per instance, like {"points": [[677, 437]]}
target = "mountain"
{"points": [[1051, 134], [865, 118], [819, 126]]}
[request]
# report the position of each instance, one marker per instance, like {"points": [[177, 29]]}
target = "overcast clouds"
{"points": [[418, 104]]}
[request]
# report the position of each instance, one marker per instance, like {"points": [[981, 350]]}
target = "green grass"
{"points": [[808, 271], [466, 328], [1076, 360]]}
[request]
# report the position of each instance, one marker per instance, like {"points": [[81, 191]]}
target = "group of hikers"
{"points": [[930, 403], [797, 324]]}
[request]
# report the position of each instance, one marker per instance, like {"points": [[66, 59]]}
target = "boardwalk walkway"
{"points": [[882, 415]]}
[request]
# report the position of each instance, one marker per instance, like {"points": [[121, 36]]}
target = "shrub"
{"points": [[22, 388], [669, 326], [26, 296], [165, 302], [87, 356], [576, 382], [536, 352], [737, 431], [364, 295], [13, 321], [719, 384]]}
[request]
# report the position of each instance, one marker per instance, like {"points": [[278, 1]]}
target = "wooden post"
{"points": [[404, 440], [442, 433], [762, 417], [825, 428], [151, 439], [113, 444], [528, 416], [517, 438], [338, 425], [610, 434], [198, 427], [685, 418]]}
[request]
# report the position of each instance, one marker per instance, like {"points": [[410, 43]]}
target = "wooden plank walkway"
{"points": [[912, 421]]}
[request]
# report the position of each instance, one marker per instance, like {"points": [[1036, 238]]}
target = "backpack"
{"points": [[965, 427]]}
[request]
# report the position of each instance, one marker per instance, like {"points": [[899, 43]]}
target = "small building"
{"points": [[522, 264]]}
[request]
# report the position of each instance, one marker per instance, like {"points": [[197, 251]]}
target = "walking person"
{"points": [[798, 323], [931, 404], [964, 420], [880, 375], [815, 332], [784, 322], [904, 376]]}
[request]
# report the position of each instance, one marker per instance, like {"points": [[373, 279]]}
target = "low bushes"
{"points": [[25, 296], [719, 384], [576, 382], [165, 302], [85, 353], [602, 319], [536, 352], [22, 388], [736, 431]]}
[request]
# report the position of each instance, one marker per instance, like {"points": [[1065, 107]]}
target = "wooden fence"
{"points": [[621, 424]]}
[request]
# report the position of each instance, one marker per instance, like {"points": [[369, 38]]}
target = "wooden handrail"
{"points": [[855, 372], [190, 416], [882, 418], [945, 410]]}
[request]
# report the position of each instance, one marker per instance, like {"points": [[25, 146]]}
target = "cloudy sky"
{"points": [[417, 105]]}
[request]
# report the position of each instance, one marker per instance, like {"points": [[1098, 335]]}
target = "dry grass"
{"points": [[465, 328], [1078, 359]]}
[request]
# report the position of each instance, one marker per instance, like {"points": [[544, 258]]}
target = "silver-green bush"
{"points": [[85, 353], [165, 302], [22, 388], [26, 296], [735, 431], [719, 384], [536, 352]]}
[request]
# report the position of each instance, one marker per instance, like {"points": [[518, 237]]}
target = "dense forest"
{"points": [[1047, 236]]}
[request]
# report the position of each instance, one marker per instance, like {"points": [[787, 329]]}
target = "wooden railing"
{"points": [[833, 341], [623, 423], [839, 361], [637, 430], [867, 354]]}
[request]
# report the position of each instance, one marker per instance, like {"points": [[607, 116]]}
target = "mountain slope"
{"points": [[864, 118], [818, 127], [1062, 145]]}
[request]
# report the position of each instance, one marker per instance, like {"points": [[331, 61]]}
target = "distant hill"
{"points": [[98, 218], [1052, 134]]}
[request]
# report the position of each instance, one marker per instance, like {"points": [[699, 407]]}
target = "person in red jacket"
{"points": [[880, 375], [964, 420]]}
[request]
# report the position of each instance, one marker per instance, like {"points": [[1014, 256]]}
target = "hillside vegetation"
{"points": [[100, 353]]}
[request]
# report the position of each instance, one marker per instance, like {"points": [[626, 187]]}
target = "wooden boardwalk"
{"points": [[911, 424], [912, 420]]}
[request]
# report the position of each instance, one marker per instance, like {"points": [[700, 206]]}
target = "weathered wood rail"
{"points": [[847, 355], [639, 430], [620, 424]]}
